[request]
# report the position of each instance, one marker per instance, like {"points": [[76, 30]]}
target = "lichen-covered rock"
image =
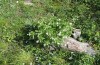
{"points": [[74, 45]]}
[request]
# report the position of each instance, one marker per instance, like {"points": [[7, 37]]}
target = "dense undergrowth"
{"points": [[27, 33]]}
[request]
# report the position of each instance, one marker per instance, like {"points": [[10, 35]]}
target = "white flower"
{"points": [[60, 27], [57, 23], [23, 64], [37, 58], [47, 33], [53, 38], [31, 63], [17, 1], [73, 19], [37, 41], [70, 23], [58, 43], [59, 34], [72, 52], [59, 19], [64, 30], [70, 58]]}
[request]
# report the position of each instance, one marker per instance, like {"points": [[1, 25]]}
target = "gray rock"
{"points": [[76, 33], [74, 45], [28, 2]]}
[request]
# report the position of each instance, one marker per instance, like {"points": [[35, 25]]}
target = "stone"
{"points": [[28, 2], [76, 33], [74, 45]]}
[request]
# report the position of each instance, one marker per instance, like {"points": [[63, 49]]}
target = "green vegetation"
{"points": [[27, 32]]}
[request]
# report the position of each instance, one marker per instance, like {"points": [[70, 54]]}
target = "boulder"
{"points": [[74, 45]]}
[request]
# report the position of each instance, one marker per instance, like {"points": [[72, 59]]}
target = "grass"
{"points": [[15, 16]]}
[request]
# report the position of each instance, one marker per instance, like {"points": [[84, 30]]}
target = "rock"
{"points": [[76, 33], [28, 2], [74, 45], [52, 48]]}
